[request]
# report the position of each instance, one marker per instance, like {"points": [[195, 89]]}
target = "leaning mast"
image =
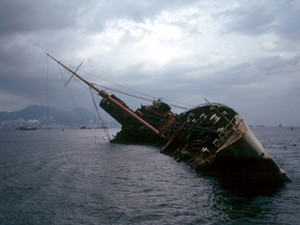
{"points": [[108, 96]]}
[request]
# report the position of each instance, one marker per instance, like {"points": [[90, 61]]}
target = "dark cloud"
{"points": [[17, 16], [250, 20], [288, 20], [137, 11], [260, 17]]}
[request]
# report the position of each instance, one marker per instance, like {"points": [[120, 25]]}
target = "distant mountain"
{"points": [[48, 116]]}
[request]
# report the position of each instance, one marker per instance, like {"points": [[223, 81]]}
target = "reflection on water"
{"points": [[239, 201], [251, 188]]}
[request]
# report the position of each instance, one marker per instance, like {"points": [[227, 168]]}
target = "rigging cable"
{"points": [[99, 117], [136, 96], [74, 102], [147, 97], [47, 102]]}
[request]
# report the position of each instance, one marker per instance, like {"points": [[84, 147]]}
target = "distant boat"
{"points": [[29, 125], [92, 127], [28, 128], [291, 128]]}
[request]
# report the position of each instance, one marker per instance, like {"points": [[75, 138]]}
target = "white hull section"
{"points": [[243, 144]]}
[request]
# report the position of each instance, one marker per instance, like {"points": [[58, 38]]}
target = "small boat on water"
{"points": [[212, 138], [29, 125], [27, 128]]}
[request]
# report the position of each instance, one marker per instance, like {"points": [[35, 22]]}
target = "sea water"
{"points": [[77, 177]]}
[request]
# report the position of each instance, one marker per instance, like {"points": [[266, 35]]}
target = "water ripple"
{"points": [[55, 177]]}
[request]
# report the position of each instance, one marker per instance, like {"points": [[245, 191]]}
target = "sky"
{"points": [[241, 53]]}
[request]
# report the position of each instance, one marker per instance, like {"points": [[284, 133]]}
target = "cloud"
{"points": [[137, 11], [261, 17], [287, 24], [247, 20], [19, 16], [241, 53]]}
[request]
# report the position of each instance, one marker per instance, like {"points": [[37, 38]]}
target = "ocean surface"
{"points": [[77, 177]]}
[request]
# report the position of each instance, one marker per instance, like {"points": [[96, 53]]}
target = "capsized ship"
{"points": [[212, 138]]}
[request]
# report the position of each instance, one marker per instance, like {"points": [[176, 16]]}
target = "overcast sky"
{"points": [[242, 53]]}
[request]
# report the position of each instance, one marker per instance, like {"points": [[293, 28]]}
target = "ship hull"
{"points": [[242, 168], [234, 153], [241, 156]]}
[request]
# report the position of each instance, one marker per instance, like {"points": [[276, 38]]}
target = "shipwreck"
{"points": [[212, 138]]}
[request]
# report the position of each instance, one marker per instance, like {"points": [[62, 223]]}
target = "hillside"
{"points": [[47, 116]]}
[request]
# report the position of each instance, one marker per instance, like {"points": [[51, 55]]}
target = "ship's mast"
{"points": [[102, 93], [106, 95]]}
